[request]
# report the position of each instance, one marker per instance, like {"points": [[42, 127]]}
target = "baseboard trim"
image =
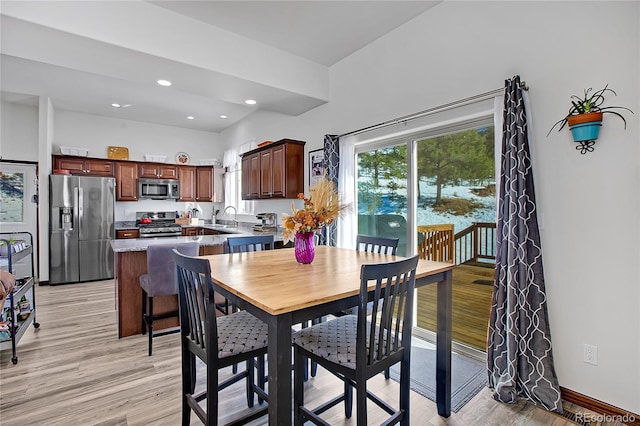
{"points": [[607, 410]]}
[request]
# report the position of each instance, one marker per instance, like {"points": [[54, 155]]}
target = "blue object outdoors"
{"points": [[586, 131]]}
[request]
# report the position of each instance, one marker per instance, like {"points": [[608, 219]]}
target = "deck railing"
{"points": [[476, 243], [436, 243]]}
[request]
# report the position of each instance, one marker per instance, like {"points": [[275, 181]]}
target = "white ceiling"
{"points": [[87, 55]]}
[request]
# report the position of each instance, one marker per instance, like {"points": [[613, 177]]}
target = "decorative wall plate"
{"points": [[182, 158]]}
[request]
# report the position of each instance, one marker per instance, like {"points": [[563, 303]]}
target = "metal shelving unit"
{"points": [[23, 285]]}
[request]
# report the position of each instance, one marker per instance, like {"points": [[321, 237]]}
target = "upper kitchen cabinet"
{"points": [[187, 178], [274, 171], [84, 166], [157, 170], [251, 176], [209, 184], [126, 181]]}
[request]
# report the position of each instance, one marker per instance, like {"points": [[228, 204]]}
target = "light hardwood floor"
{"points": [[74, 370]]}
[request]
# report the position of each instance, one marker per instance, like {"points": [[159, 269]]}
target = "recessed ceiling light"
{"points": [[190, 117], [116, 105], [164, 82], [223, 116], [250, 102]]}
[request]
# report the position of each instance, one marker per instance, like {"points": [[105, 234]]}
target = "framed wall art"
{"points": [[316, 166]]}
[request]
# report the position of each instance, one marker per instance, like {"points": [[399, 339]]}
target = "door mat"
{"points": [[468, 375]]}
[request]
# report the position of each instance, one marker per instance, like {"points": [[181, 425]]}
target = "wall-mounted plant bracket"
{"points": [[585, 118]]}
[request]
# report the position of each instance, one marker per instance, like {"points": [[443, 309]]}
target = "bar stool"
{"points": [[161, 280]]}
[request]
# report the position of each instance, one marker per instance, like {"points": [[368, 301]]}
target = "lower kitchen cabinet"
{"points": [[190, 231], [127, 233]]}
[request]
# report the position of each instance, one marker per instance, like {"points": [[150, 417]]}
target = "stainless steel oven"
{"points": [[158, 189], [157, 224]]}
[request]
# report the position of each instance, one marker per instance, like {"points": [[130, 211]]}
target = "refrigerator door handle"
{"points": [[78, 203]]}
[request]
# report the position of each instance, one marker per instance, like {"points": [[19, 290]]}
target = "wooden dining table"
{"points": [[282, 292]]}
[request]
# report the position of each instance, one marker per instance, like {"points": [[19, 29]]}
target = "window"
{"points": [[233, 178]]}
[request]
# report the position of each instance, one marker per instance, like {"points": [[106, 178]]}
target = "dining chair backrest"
{"points": [[251, 243], [243, 338], [161, 267], [373, 244], [388, 329], [196, 305]]}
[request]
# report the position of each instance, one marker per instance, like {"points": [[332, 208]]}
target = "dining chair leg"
{"points": [[262, 378], [387, 374], [144, 312], [348, 400], [212, 395], [299, 369], [250, 364], [404, 391], [150, 323], [361, 403], [188, 386]]}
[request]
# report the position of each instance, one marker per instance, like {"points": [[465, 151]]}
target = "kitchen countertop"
{"points": [[141, 244]]}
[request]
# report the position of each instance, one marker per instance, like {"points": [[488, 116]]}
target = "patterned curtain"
{"points": [[331, 163], [519, 357]]}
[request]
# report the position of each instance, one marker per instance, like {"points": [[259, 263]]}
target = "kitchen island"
{"points": [[130, 261]]}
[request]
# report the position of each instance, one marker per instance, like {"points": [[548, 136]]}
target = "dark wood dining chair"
{"points": [[218, 341], [243, 245], [373, 244], [357, 347], [160, 280], [250, 243]]}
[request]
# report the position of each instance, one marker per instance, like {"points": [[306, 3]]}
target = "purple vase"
{"points": [[304, 248]]}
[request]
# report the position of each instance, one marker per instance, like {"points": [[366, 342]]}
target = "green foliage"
{"points": [[466, 155], [388, 164], [590, 102]]}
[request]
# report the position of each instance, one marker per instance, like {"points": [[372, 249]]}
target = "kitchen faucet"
{"points": [[235, 214]]}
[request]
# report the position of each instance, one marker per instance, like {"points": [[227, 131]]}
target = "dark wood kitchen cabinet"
{"points": [[83, 166], [126, 181], [204, 183], [187, 178], [274, 171], [251, 176], [188, 231], [157, 170], [127, 233]]}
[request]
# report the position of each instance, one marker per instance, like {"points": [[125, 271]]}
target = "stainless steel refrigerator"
{"points": [[81, 228]]}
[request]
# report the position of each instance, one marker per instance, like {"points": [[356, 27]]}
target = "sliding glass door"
{"points": [[435, 192], [382, 194]]}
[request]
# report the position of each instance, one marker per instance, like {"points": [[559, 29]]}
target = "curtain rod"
{"points": [[450, 105]]}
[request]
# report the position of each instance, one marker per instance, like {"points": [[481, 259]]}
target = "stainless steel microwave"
{"points": [[158, 189]]}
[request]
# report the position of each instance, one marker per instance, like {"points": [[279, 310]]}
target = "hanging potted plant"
{"points": [[585, 117]]}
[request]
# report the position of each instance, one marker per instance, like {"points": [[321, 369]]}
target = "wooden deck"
{"points": [[471, 304]]}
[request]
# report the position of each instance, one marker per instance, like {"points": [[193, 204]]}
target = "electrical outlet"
{"points": [[590, 354]]}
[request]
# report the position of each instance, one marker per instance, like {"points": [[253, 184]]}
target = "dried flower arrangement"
{"points": [[320, 209]]}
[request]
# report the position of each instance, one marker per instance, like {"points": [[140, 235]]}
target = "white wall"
{"points": [[19, 132], [96, 132], [590, 202]]}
